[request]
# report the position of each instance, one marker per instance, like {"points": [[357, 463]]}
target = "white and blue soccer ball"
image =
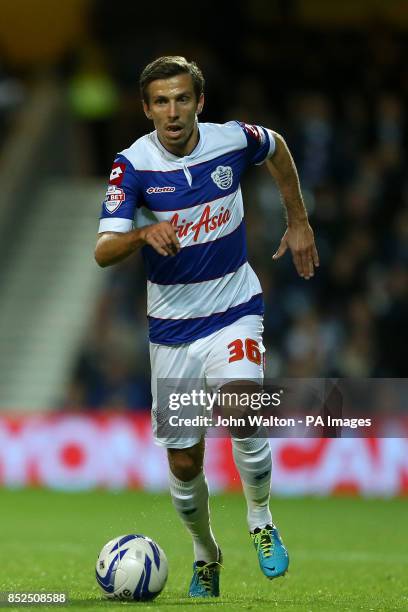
{"points": [[131, 567]]}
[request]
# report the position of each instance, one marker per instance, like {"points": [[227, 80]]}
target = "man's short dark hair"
{"points": [[169, 66]]}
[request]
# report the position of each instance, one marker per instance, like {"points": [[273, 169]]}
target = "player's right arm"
{"points": [[117, 239], [113, 247]]}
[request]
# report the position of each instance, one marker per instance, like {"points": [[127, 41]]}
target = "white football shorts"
{"points": [[235, 352]]}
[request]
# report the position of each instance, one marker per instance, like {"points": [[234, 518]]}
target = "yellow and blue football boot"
{"points": [[272, 555]]}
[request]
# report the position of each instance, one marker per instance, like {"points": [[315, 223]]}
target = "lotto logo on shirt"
{"points": [[160, 190], [113, 198], [117, 173]]}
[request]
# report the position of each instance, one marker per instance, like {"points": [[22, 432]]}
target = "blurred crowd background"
{"points": [[333, 81]]}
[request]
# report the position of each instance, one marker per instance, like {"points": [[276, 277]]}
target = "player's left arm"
{"points": [[298, 237]]}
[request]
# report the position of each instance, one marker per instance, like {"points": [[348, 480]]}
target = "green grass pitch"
{"points": [[346, 553]]}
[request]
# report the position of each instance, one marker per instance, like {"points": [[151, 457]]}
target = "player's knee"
{"points": [[185, 463]]}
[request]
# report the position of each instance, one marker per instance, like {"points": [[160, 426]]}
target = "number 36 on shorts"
{"points": [[248, 348]]}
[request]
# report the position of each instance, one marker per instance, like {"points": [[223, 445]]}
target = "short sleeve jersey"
{"points": [[209, 284]]}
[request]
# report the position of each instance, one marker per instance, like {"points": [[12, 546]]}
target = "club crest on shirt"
{"points": [[222, 177], [113, 198]]}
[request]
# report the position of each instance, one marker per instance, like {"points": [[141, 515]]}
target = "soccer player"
{"points": [[175, 194]]}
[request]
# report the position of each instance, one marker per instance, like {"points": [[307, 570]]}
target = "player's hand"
{"points": [[299, 238], [162, 237]]}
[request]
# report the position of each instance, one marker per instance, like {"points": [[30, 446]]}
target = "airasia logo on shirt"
{"points": [[206, 223]]}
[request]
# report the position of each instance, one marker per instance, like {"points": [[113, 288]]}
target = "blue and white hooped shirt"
{"points": [[209, 284]]}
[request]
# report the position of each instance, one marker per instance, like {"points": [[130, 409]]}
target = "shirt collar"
{"points": [[175, 158]]}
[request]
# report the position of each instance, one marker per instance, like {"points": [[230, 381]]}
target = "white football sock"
{"points": [[253, 461], [191, 502]]}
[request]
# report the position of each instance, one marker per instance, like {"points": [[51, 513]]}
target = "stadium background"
{"points": [[331, 77]]}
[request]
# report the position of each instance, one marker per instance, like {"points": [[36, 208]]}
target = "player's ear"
{"points": [[146, 110], [200, 104]]}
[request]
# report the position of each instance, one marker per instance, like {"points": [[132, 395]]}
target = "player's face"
{"points": [[173, 107]]}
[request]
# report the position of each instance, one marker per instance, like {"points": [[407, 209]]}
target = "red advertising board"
{"points": [[76, 452]]}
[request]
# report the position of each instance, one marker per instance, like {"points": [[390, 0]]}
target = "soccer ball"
{"points": [[131, 567]]}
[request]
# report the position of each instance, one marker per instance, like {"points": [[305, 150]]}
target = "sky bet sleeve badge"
{"points": [[113, 198]]}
